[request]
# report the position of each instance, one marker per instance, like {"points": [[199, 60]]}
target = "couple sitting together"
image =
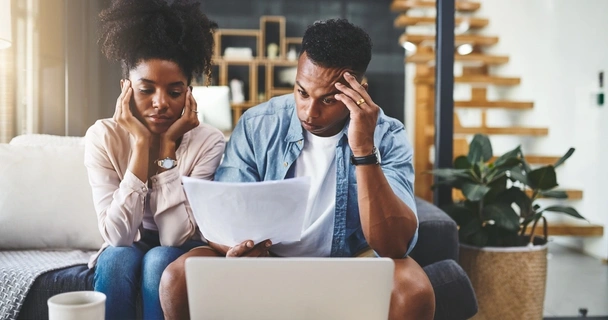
{"points": [[361, 200]]}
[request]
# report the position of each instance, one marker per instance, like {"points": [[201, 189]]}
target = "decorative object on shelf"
{"points": [[496, 247], [213, 106], [292, 55], [236, 89], [287, 76], [272, 51], [238, 53], [261, 96]]}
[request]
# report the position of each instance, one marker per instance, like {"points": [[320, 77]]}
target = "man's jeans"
{"points": [[121, 272]]}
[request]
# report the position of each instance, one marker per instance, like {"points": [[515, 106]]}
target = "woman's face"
{"points": [[159, 93]]}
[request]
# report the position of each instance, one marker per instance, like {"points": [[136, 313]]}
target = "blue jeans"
{"points": [[122, 273]]}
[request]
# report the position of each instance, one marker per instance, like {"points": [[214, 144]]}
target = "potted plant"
{"points": [[497, 218]]}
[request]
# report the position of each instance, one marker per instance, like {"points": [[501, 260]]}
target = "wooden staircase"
{"points": [[475, 72]]}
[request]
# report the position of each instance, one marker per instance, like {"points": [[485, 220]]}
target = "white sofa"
{"points": [[48, 229]]}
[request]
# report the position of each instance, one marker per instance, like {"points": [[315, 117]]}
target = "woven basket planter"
{"points": [[509, 282]]}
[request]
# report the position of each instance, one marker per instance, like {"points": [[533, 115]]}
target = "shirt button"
{"points": [[300, 142], [285, 164], [144, 189]]}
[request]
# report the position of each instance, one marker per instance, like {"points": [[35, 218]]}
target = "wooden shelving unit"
{"points": [[262, 70]]}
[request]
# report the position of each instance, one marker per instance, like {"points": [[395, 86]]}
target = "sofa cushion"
{"points": [[76, 278], [45, 198], [437, 235]]}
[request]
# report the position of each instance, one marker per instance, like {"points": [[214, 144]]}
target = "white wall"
{"points": [[557, 47]]}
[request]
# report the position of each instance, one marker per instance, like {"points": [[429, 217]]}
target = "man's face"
{"points": [[319, 112]]}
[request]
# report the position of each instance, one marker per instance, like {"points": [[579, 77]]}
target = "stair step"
{"points": [[404, 20], [569, 229], [475, 79], [404, 5], [472, 39], [499, 104], [572, 194], [523, 131], [482, 59], [542, 160]]}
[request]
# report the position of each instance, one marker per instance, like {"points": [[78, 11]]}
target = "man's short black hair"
{"points": [[337, 43], [136, 30]]}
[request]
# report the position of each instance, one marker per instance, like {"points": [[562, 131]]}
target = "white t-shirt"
{"points": [[318, 161]]}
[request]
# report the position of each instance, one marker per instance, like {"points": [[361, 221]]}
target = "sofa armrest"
{"points": [[437, 235]]}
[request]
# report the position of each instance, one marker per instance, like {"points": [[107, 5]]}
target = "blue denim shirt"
{"points": [[268, 139]]}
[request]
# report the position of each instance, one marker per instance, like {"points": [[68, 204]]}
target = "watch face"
{"points": [[167, 163]]}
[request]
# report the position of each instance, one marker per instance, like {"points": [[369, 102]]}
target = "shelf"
{"points": [[406, 21], [459, 39], [429, 58], [523, 131], [279, 91], [499, 104], [404, 5], [474, 79], [569, 229]]}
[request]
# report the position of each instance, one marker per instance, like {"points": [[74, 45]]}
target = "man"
{"points": [[361, 201]]}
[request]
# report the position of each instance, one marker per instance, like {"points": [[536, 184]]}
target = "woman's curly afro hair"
{"points": [[136, 30]]}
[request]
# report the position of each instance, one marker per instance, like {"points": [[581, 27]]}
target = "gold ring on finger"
{"points": [[360, 102]]}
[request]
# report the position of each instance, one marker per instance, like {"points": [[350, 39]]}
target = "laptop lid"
{"points": [[289, 288]]}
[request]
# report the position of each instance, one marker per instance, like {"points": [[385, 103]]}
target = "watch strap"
{"points": [[364, 160]]}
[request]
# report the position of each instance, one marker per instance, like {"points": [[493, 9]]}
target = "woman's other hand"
{"points": [[188, 120]]}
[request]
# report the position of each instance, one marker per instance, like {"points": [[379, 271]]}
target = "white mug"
{"points": [[77, 305]]}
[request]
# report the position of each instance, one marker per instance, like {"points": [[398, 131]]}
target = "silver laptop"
{"points": [[289, 288]]}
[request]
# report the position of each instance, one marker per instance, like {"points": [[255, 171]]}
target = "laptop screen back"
{"points": [[289, 288]]}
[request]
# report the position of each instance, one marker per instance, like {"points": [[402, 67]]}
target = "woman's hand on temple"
{"points": [[125, 118], [188, 120]]}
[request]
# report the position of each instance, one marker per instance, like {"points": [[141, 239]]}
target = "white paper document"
{"points": [[229, 213]]}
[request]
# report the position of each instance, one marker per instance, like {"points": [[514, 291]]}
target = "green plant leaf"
{"points": [[449, 173], [520, 198], [479, 238], [517, 174], [525, 165], [503, 215], [462, 163], [459, 213], [508, 158], [480, 149], [563, 209], [473, 191], [564, 158], [543, 178], [470, 228], [497, 187], [555, 194]]}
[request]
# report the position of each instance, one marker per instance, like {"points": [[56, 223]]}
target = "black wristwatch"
{"points": [[373, 158]]}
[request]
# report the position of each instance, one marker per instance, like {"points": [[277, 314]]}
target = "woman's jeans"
{"points": [[122, 273]]}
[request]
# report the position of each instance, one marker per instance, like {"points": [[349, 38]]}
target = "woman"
{"points": [[136, 159]]}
